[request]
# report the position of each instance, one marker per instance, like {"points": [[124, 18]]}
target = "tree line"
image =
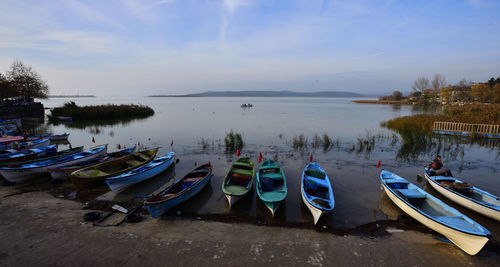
{"points": [[426, 91], [22, 83]]}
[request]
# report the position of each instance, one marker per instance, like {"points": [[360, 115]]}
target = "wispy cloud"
{"points": [[145, 10]]}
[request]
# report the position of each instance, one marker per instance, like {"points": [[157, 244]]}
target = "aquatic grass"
{"points": [[233, 141], [204, 143], [299, 141], [316, 141], [101, 112]]}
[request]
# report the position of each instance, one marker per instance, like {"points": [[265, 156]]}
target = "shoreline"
{"points": [[56, 234]]}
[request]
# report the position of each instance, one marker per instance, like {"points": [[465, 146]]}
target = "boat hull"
{"points": [[121, 183], [469, 243], [468, 203], [316, 213], [21, 175], [157, 209]]}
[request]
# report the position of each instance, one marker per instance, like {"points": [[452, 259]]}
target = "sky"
{"points": [[133, 47]]}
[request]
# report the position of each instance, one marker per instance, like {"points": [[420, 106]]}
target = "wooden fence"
{"points": [[486, 130]]}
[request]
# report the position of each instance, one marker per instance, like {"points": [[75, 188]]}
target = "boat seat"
{"points": [[444, 179], [132, 162], [395, 180], [412, 193]]}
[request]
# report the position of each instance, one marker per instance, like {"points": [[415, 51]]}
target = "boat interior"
{"points": [[316, 174], [188, 181], [468, 190], [271, 180], [240, 178], [320, 194]]}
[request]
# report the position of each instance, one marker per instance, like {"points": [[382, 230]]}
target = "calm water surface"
{"points": [[269, 128]]}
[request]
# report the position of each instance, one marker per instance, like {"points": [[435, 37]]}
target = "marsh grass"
{"points": [[204, 143], [299, 141], [233, 141], [101, 112]]}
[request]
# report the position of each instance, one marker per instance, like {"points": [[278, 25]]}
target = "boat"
{"points": [[122, 181], [31, 144], [181, 191], [27, 171], [62, 172], [316, 191], [465, 233], [51, 137], [238, 180], [28, 154], [96, 174], [49, 156], [271, 185], [466, 195], [64, 119]]}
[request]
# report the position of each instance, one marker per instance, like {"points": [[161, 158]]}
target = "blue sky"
{"points": [[183, 46]]}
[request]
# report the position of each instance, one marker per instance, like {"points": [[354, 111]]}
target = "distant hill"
{"points": [[266, 94]]}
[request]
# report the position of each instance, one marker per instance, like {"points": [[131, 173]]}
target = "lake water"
{"points": [[197, 127]]}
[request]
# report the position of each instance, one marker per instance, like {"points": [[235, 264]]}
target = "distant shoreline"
{"points": [[66, 96], [266, 94], [393, 102]]}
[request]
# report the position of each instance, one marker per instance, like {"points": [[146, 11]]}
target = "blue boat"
{"points": [[28, 154], [182, 190], [435, 214], [25, 145], [63, 172], [316, 191], [31, 170], [121, 182]]}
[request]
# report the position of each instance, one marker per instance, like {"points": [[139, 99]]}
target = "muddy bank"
{"points": [[37, 228]]}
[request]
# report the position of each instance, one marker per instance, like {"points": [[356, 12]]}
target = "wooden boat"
{"points": [[271, 185], [96, 174], [32, 144], [49, 156], [238, 180], [28, 154], [435, 214], [32, 170], [466, 195], [121, 182], [52, 137], [62, 172], [316, 191], [182, 190]]}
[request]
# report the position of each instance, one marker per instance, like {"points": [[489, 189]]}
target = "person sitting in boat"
{"points": [[436, 168]]}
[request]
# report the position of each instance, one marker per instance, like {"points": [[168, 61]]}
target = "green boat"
{"points": [[59, 154], [238, 180], [96, 175], [271, 185]]}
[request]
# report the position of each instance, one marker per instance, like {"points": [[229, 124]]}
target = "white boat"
{"points": [[31, 170], [316, 191], [468, 196], [465, 233], [121, 182]]}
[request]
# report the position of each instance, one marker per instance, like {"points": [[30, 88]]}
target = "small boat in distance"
{"points": [[465, 233], [121, 182], [181, 191], [316, 191], [45, 157], [466, 195], [28, 154], [238, 180], [271, 185]]}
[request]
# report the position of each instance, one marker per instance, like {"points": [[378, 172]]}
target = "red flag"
{"points": [[3, 133], [93, 139], [260, 157], [139, 144], [172, 143], [119, 146], [25, 135], [311, 157], [237, 152], [378, 165]]}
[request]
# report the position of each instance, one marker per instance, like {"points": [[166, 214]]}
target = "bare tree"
{"points": [[397, 95], [420, 84], [28, 83], [438, 82]]}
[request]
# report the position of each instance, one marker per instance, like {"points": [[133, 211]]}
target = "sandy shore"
{"points": [[39, 229]]}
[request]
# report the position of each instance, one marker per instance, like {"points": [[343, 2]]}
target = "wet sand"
{"points": [[39, 229]]}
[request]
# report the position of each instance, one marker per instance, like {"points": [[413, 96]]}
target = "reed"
{"points": [[233, 141], [101, 112], [299, 141]]}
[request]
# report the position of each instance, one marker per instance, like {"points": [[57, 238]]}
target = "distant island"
{"points": [[266, 94], [61, 96]]}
